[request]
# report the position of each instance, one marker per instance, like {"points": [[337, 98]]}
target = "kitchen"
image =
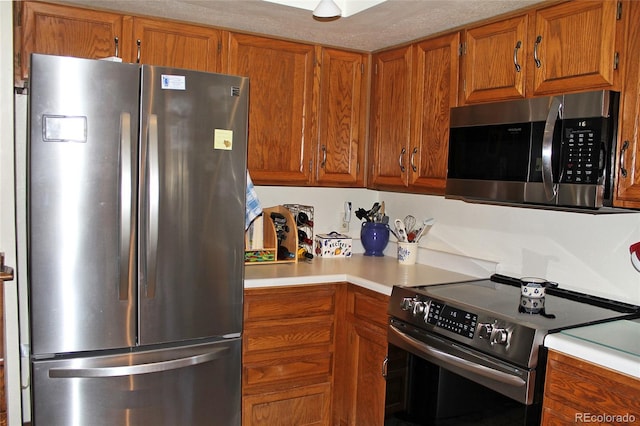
{"points": [[584, 252]]}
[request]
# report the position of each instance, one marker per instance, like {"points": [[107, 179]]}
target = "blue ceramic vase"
{"points": [[374, 237]]}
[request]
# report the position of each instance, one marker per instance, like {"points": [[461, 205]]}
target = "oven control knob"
{"points": [[484, 330], [499, 336], [419, 308], [406, 304]]}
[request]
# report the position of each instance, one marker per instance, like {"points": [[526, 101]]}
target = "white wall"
{"points": [[583, 252], [7, 214]]}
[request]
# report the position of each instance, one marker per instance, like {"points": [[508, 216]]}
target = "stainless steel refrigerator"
{"points": [[136, 205]]}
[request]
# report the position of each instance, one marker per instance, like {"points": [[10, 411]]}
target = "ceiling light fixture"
{"points": [[327, 9]]}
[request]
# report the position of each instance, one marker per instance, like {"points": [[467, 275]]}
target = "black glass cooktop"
{"points": [[501, 297]]}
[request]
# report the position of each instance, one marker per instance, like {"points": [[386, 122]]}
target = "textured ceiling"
{"points": [[390, 23]]}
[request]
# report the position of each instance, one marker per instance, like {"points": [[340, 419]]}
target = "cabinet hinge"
{"points": [[616, 60], [17, 14], [619, 11], [462, 49]]}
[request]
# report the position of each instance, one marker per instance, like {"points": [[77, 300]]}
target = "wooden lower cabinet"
{"points": [[359, 392], [313, 355], [288, 354], [577, 391]]}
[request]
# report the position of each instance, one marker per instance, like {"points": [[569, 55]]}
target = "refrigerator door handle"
{"points": [[125, 205], [154, 201], [133, 370]]}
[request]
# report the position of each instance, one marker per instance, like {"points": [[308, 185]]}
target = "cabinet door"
{"points": [[494, 61], [575, 44], [390, 118], [67, 31], [436, 91], [360, 387], [342, 118], [172, 44], [628, 173], [281, 107]]}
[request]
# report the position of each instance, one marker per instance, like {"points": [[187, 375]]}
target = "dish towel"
{"points": [[253, 208]]}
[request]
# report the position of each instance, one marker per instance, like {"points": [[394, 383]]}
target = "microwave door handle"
{"points": [[555, 111]]}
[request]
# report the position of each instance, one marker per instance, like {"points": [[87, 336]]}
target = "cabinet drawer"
{"points": [[289, 335], [281, 303], [287, 370], [368, 306], [303, 406]]}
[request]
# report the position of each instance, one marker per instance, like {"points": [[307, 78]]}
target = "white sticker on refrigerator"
{"points": [[174, 82], [223, 139]]}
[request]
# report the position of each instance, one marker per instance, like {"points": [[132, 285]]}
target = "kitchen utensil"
{"points": [[372, 215], [409, 223], [426, 225], [395, 234], [635, 255], [401, 230], [362, 214]]}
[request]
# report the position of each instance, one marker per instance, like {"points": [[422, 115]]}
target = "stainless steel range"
{"points": [[470, 353]]}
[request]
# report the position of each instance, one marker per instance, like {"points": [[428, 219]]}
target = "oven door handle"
{"points": [[459, 362]]}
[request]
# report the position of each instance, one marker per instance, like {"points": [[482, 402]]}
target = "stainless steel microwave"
{"points": [[554, 151]]}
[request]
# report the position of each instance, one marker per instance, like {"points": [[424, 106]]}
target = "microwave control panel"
{"points": [[582, 151]]}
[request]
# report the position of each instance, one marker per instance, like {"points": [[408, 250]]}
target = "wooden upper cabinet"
{"points": [[173, 44], [282, 127], [68, 31], [390, 118], [628, 160], [495, 61], [342, 130], [435, 92], [575, 44]]}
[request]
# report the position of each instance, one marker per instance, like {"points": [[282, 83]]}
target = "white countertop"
{"points": [[375, 273], [614, 345]]}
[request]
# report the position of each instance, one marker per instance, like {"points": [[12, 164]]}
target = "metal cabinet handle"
{"points": [[413, 154], [515, 56], [324, 156], [126, 203], [134, 370], [401, 159], [623, 151], [116, 42], [385, 366], [535, 51], [138, 42]]}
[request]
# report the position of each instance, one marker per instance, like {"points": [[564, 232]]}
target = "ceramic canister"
{"points": [[533, 287]]}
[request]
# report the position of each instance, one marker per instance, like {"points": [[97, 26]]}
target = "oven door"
{"points": [[432, 380]]}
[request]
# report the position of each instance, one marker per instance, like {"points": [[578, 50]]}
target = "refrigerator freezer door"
{"points": [[81, 195], [193, 385], [192, 203]]}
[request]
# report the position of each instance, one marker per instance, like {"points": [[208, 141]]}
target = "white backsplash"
{"points": [[582, 252]]}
